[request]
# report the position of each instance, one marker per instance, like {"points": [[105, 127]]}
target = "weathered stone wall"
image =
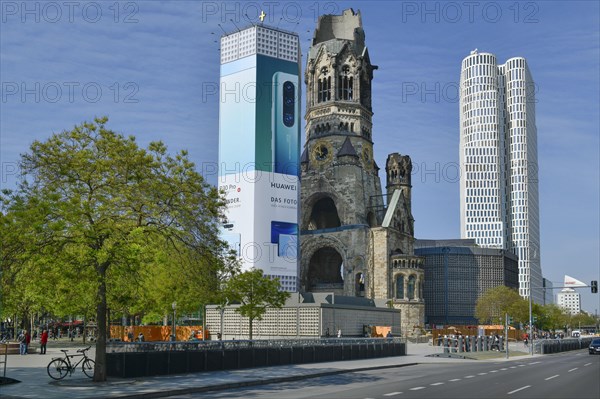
{"points": [[380, 270], [412, 315]]}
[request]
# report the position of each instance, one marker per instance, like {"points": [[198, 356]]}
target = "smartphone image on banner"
{"points": [[284, 125], [278, 228], [288, 246], [285, 235]]}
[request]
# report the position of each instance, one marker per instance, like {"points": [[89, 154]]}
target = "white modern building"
{"points": [[498, 158], [569, 299]]}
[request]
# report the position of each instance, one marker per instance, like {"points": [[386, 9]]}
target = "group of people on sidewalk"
{"points": [[24, 340], [140, 337]]}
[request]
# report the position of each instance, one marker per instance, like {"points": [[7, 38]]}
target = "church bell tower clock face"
{"points": [[322, 152]]}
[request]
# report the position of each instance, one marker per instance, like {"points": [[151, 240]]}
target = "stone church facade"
{"points": [[353, 241]]}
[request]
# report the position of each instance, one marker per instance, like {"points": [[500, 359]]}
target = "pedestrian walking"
{"points": [[339, 334], [496, 344], [43, 342], [22, 344]]}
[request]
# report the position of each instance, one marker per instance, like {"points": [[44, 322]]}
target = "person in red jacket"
{"points": [[43, 342], [27, 341]]}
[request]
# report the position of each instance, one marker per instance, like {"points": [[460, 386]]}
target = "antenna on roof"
{"points": [[222, 29], [238, 29], [249, 20]]}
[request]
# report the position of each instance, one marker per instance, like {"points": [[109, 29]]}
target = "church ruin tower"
{"points": [[352, 235], [398, 169]]}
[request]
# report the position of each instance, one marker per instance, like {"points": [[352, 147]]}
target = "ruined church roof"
{"points": [[334, 31]]}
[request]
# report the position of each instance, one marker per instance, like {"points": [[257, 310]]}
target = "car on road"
{"points": [[595, 346]]}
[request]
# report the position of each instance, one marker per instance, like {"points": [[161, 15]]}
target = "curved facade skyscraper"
{"points": [[499, 205]]}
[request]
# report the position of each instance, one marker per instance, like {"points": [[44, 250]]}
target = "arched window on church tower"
{"points": [[411, 287], [324, 86], [400, 286], [345, 84]]}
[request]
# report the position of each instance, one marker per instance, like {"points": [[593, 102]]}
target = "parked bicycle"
{"points": [[60, 366]]}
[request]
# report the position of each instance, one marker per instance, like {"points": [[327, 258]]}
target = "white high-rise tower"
{"points": [[499, 205]]}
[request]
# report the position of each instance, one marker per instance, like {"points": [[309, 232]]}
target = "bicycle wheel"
{"points": [[58, 369], [88, 367]]}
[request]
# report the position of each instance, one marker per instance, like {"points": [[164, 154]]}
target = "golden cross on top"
{"points": [[262, 16]]}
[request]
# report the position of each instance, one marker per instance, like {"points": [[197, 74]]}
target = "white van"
{"points": [[575, 334]]}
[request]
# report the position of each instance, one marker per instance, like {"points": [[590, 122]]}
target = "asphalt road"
{"points": [[572, 374]]}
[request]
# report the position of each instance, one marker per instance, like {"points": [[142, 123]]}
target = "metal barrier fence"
{"points": [[145, 359], [156, 346], [546, 346], [473, 343]]}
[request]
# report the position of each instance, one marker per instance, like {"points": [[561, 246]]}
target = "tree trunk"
{"points": [[100, 369], [84, 328], [250, 319]]}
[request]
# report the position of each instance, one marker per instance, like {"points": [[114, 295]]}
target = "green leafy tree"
{"points": [[162, 282], [495, 303], [22, 293], [554, 317], [92, 203], [255, 293], [581, 319], [519, 310]]}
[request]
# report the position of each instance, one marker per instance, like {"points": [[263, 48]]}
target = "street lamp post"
{"points": [[173, 335], [222, 311], [530, 319]]}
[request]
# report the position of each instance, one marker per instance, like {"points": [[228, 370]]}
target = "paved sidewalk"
{"points": [[35, 382]]}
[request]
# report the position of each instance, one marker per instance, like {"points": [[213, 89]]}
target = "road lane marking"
{"points": [[469, 376], [549, 378], [521, 365], [494, 371], [512, 367], [519, 389], [481, 373], [454, 379], [587, 364], [437, 383], [533, 363], [417, 388], [503, 369], [392, 393], [573, 369]]}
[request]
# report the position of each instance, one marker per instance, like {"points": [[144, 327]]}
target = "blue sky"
{"points": [[151, 66]]}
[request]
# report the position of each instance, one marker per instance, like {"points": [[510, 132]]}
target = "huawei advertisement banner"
{"points": [[259, 153], [259, 116], [263, 213]]}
